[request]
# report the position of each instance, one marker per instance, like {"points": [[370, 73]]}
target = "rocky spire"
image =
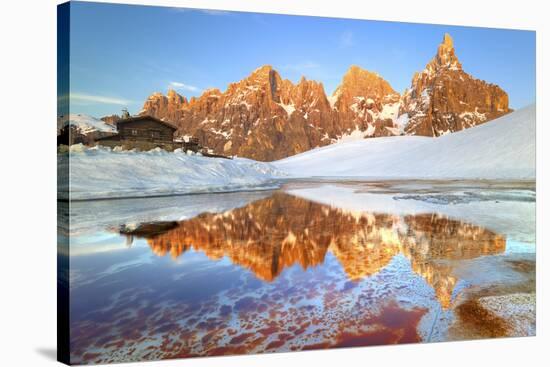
{"points": [[445, 56], [443, 98]]}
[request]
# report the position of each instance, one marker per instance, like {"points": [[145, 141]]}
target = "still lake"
{"points": [[314, 264]]}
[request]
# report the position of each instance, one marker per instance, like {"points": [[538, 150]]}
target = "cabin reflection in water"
{"points": [[272, 234]]}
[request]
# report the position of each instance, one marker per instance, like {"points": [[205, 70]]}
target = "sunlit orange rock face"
{"points": [[272, 234], [443, 98], [364, 101], [169, 106], [266, 117], [262, 116]]}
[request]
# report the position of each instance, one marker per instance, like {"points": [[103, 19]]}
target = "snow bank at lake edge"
{"points": [[100, 173]]}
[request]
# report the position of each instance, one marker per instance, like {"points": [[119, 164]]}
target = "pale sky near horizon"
{"points": [[120, 54]]}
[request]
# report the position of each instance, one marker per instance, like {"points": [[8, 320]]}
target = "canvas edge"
{"points": [[63, 89]]}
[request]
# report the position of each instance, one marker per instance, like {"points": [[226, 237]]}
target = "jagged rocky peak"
{"points": [[360, 82], [263, 71], [210, 93], [443, 98], [267, 91], [168, 107], [175, 98], [446, 54], [362, 89], [259, 76], [262, 82], [265, 75], [309, 94], [366, 104]]}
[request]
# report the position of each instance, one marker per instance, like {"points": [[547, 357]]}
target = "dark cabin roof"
{"points": [[146, 117]]}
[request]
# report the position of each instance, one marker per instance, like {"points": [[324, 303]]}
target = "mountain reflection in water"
{"points": [[270, 235]]}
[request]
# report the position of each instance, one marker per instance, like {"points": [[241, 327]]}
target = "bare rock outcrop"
{"points": [[443, 98], [266, 117]]}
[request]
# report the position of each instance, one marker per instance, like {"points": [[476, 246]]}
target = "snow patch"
{"points": [[289, 108], [334, 98], [473, 115], [500, 149], [225, 134], [356, 134], [401, 122], [85, 123], [101, 173], [389, 111]]}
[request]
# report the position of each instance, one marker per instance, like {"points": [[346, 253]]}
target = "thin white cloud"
{"points": [[89, 98], [346, 39], [183, 86]]}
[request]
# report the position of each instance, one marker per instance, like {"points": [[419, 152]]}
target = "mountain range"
{"points": [[266, 117]]}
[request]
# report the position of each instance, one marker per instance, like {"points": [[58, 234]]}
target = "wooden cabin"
{"points": [[142, 132], [146, 128], [147, 132]]}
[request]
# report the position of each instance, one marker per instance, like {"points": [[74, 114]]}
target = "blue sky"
{"points": [[120, 54]]}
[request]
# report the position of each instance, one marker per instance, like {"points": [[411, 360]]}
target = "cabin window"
{"points": [[155, 134], [134, 132]]}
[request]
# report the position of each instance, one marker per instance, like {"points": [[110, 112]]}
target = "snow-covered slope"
{"points": [[97, 173], [500, 149], [85, 123]]}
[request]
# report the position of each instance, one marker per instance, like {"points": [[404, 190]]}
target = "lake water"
{"points": [[311, 265]]}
